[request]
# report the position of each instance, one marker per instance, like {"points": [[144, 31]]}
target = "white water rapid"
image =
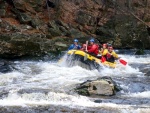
{"points": [[39, 83]]}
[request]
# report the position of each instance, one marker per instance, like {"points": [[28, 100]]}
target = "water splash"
{"points": [[44, 83]]}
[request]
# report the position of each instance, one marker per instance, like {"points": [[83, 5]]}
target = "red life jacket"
{"points": [[110, 58], [93, 49], [108, 55]]}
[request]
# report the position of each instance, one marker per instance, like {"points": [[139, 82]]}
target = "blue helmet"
{"points": [[75, 40], [92, 40]]}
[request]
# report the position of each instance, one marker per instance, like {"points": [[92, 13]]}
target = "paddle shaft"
{"points": [[86, 45]]}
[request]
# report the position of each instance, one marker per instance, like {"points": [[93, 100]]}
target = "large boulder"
{"points": [[101, 86]]}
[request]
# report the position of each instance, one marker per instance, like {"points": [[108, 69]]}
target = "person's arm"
{"points": [[100, 51], [71, 47], [104, 52], [79, 47], [115, 55], [92, 49], [89, 47]]}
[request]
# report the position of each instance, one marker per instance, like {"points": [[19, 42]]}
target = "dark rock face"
{"points": [[110, 21], [18, 45], [85, 18]]}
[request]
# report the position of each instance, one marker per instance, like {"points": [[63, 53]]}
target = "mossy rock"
{"points": [[24, 18], [54, 32], [83, 91], [35, 23], [2, 12]]}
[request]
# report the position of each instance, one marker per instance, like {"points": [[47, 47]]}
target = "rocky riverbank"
{"points": [[35, 28]]}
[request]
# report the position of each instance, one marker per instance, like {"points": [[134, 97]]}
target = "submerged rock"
{"points": [[5, 66], [140, 52], [146, 71], [101, 86]]}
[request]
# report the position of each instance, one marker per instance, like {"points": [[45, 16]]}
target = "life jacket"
{"points": [[73, 46], [110, 57], [104, 53], [94, 49]]}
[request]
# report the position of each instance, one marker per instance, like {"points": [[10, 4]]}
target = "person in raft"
{"points": [[92, 48], [111, 55], [75, 45]]}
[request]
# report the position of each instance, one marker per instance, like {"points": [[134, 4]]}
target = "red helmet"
{"points": [[110, 48]]}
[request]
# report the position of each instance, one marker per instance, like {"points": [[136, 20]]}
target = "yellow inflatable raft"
{"points": [[89, 57]]}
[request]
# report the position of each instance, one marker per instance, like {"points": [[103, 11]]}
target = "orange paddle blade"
{"points": [[122, 61]]}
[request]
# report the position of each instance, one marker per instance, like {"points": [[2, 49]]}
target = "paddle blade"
{"points": [[103, 59], [122, 61], [85, 57]]}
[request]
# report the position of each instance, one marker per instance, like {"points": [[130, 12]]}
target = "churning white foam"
{"points": [[145, 94]]}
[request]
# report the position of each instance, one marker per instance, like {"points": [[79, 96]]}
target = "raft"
{"points": [[86, 58]]}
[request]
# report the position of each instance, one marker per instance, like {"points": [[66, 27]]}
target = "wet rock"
{"points": [[81, 18], [6, 27], [98, 101], [61, 23], [24, 18], [5, 66], [18, 45], [146, 70], [51, 4], [53, 24], [104, 32], [54, 32], [2, 12], [75, 33], [3, 93], [60, 44], [101, 86], [20, 4], [140, 52], [35, 23], [148, 73], [117, 42], [98, 2], [148, 30], [54, 29], [64, 31]]}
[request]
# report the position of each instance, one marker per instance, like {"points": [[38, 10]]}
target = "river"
{"points": [[47, 87]]}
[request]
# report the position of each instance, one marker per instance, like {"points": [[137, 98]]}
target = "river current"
{"points": [[47, 87]]}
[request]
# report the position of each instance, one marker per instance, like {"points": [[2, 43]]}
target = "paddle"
{"points": [[122, 61], [85, 56], [103, 59], [86, 45]]}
